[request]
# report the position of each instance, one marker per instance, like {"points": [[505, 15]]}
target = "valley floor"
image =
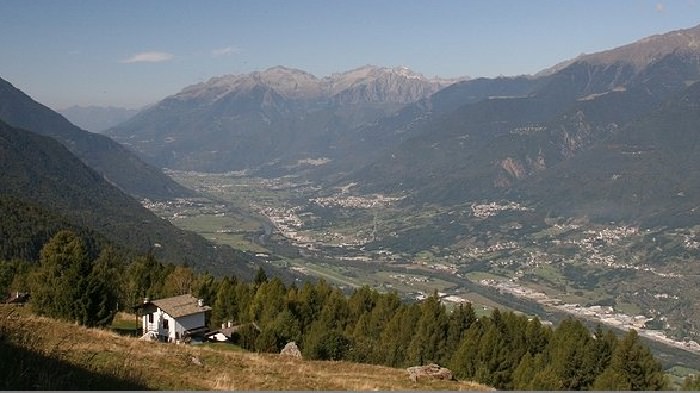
{"points": [[492, 253]]}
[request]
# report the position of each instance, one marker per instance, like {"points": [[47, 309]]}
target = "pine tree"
{"points": [[611, 379], [60, 278], [101, 295], [269, 300], [397, 335], [205, 287], [529, 367], [145, 277], [635, 362], [67, 285], [458, 324], [537, 336], [260, 277], [566, 353], [546, 379], [225, 306], [465, 359], [428, 342], [597, 355]]}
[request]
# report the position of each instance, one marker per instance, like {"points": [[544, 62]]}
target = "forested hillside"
{"points": [[108, 158], [503, 350], [45, 188]]}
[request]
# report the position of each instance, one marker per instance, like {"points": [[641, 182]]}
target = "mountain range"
{"points": [[447, 142], [610, 136], [255, 120], [520, 146]]}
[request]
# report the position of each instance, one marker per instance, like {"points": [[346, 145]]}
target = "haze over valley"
{"points": [[571, 189], [564, 190]]}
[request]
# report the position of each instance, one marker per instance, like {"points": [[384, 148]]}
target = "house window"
{"points": [[177, 335], [165, 323], [150, 318]]}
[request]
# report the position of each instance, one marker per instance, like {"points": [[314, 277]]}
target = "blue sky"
{"points": [[133, 53]]}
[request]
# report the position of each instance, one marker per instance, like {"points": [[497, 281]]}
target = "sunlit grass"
{"points": [[163, 366]]}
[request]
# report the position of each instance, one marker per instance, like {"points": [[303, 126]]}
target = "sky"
{"points": [[131, 53]]}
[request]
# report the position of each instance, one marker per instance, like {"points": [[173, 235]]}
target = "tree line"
{"points": [[504, 350]]}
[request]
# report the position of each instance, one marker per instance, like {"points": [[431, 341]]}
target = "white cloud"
{"points": [[229, 50], [660, 7], [149, 57]]}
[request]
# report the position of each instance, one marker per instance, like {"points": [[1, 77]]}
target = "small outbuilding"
{"points": [[230, 332], [19, 298], [174, 319]]}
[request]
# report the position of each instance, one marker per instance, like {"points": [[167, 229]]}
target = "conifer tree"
{"points": [[225, 305], [397, 335], [205, 287], [635, 362], [566, 352], [67, 285], [101, 295], [60, 278], [269, 300], [428, 342], [611, 379], [459, 322], [530, 367], [537, 336]]}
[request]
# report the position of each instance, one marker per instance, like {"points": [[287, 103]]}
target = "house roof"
{"points": [[180, 306]]}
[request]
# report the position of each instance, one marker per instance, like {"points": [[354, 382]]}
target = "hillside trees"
{"points": [[634, 364], [68, 285], [503, 350]]}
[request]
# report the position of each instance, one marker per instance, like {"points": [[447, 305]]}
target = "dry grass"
{"points": [[170, 367]]}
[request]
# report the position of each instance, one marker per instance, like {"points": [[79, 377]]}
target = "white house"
{"points": [[173, 319]]}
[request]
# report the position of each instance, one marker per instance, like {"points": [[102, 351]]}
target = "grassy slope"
{"points": [[159, 366]]}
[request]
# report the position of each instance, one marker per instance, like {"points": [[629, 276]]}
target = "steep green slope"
{"points": [[114, 162], [650, 170], [483, 150], [37, 170]]}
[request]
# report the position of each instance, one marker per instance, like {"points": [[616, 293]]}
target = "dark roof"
{"points": [[180, 306]]}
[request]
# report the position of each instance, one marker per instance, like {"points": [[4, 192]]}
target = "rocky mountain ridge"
{"points": [[273, 117], [380, 84], [641, 53], [491, 148]]}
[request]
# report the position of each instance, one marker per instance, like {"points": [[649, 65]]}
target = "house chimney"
{"points": [[223, 326], [146, 300], [200, 302], [229, 323]]}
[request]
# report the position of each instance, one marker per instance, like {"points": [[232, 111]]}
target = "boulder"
{"points": [[291, 349], [431, 371]]}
